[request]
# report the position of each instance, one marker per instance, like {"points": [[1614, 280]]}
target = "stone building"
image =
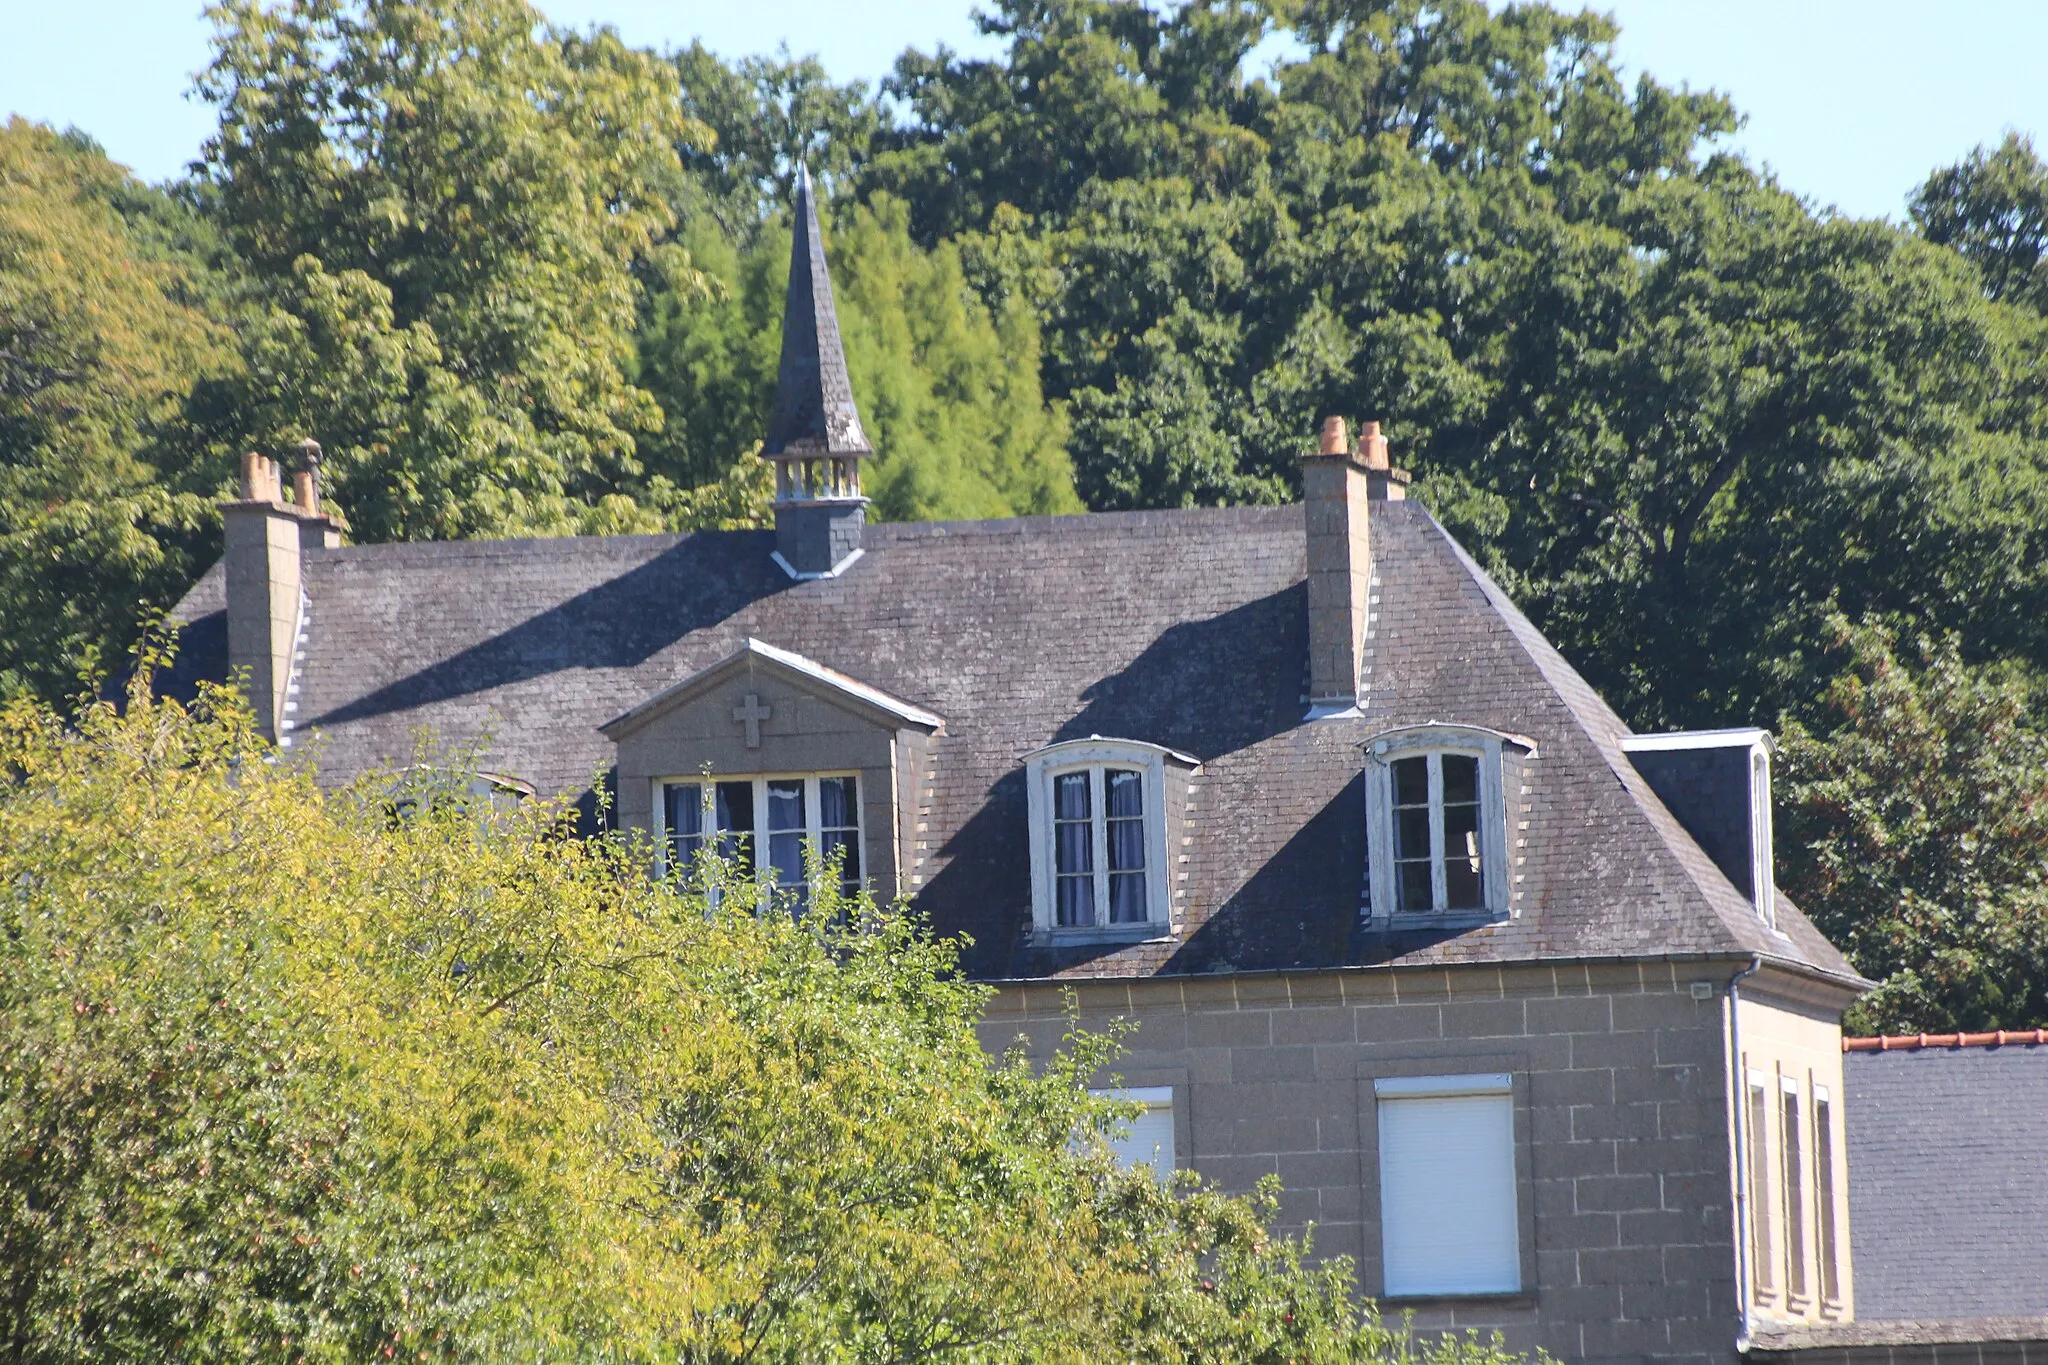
{"points": [[1501, 991]]}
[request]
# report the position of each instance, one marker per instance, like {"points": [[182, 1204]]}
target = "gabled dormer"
{"points": [[767, 750]]}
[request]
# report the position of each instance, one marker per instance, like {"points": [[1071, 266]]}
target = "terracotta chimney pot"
{"points": [[1373, 446], [1336, 440]]}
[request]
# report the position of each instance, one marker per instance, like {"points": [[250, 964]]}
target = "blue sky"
{"points": [[1851, 103]]}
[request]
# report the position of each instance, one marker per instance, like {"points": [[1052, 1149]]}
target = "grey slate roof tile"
{"points": [[1183, 628], [1948, 1185]]}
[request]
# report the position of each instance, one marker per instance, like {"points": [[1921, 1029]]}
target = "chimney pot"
{"points": [[1337, 441], [1373, 446]]}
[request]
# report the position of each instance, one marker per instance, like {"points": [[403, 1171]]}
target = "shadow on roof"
{"points": [[1208, 687], [617, 624]]}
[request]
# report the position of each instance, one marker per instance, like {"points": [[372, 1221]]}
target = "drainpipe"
{"points": [[1741, 1103]]}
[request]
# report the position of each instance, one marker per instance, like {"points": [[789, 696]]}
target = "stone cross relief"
{"points": [[751, 713]]}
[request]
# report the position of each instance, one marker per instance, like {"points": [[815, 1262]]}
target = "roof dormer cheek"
{"points": [[766, 749]]}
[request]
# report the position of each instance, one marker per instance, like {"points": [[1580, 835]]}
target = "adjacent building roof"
{"points": [[1947, 1199], [1186, 629]]}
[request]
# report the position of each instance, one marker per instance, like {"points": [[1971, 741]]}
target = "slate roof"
{"points": [[1182, 628], [814, 412], [1947, 1197]]}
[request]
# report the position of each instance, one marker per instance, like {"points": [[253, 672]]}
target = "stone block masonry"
{"points": [[1620, 1118]]}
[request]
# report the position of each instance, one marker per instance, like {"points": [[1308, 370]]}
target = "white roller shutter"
{"points": [[1151, 1139], [1447, 1185]]}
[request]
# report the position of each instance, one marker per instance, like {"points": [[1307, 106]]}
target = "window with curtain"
{"points": [[1100, 814], [767, 824], [1098, 835]]}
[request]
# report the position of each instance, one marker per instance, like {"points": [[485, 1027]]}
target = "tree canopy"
{"points": [[392, 1072]]}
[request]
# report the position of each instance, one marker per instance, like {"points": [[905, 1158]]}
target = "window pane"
{"points": [[1414, 886], [1411, 782], [1070, 796], [682, 805], [1076, 896], [1127, 898], [1461, 854], [1073, 848], [836, 803], [1795, 1196], [1411, 833], [1125, 793], [733, 812], [1759, 1186], [786, 805], [848, 840], [1461, 778], [1127, 846], [1824, 1193]]}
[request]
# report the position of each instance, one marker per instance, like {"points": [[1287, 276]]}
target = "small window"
{"points": [[1148, 1141], [766, 823], [1824, 1195], [1436, 823], [1761, 1246], [1790, 1149], [1437, 859], [1449, 1222], [1098, 830]]}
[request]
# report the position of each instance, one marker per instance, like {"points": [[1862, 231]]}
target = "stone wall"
{"points": [[1620, 1118]]}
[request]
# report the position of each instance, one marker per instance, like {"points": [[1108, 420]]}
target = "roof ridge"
{"points": [[1914, 1042]]}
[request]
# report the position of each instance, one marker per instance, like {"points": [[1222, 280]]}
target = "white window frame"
{"points": [[1092, 755], [1415, 741], [1793, 1193], [1389, 1090], [763, 869]]}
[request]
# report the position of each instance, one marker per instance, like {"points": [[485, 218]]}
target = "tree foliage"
{"points": [[455, 196], [391, 1072], [104, 327], [1918, 826]]}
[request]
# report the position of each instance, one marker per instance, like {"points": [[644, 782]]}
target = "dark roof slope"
{"points": [[1948, 1204], [1186, 629]]}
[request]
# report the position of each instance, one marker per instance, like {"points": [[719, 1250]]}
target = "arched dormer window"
{"points": [[1099, 837], [1437, 823]]}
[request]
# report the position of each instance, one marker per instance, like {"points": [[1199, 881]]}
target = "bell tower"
{"points": [[814, 436]]}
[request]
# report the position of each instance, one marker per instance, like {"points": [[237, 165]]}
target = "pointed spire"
{"points": [[814, 413]]}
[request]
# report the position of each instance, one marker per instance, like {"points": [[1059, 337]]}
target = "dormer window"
{"points": [[1436, 810], [1099, 838], [765, 823], [1438, 862]]}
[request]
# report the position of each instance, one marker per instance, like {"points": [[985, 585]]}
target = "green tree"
{"points": [[1992, 206], [1916, 834], [948, 388], [104, 325], [394, 1072], [481, 188]]}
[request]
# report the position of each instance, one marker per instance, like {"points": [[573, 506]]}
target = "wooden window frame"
{"points": [[763, 869], [1094, 756], [1496, 881]]}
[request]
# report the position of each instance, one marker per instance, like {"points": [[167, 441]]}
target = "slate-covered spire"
{"points": [[814, 437], [814, 414]]}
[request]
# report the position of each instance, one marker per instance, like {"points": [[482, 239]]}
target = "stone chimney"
{"points": [[1337, 485], [265, 540], [814, 435]]}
